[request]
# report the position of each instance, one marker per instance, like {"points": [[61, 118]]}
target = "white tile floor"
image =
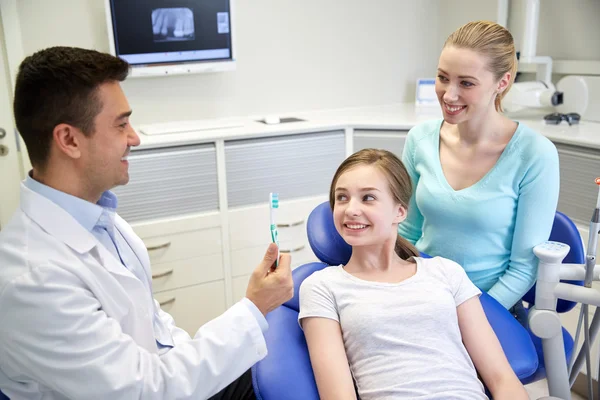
{"points": [[540, 389]]}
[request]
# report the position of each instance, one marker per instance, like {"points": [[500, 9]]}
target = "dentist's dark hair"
{"points": [[399, 183], [60, 85]]}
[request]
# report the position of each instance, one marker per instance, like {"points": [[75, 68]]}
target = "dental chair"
{"points": [[563, 231], [562, 269], [286, 372]]}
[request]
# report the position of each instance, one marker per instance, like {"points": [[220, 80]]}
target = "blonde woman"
{"points": [[485, 186]]}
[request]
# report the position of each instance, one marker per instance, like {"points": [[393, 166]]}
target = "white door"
{"points": [[10, 174]]}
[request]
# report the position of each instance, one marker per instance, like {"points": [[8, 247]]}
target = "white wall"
{"points": [[568, 30], [455, 13], [292, 55]]}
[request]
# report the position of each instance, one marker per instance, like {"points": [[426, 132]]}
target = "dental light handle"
{"points": [[550, 255], [590, 258]]}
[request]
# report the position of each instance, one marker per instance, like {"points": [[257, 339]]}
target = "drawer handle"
{"points": [[292, 250], [158, 246], [167, 301], [162, 274], [291, 224]]}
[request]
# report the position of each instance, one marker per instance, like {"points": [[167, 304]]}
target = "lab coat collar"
{"points": [[56, 221], [61, 225]]}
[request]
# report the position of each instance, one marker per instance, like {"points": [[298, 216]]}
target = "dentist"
{"points": [[78, 320]]}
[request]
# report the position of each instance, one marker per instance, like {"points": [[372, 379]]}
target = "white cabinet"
{"points": [[248, 244], [172, 203], [579, 166], [391, 140], [192, 306], [299, 168], [240, 283], [169, 182], [186, 256], [295, 166]]}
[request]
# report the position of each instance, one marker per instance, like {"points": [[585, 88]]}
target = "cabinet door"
{"points": [[193, 306], [249, 233], [379, 139], [294, 166], [182, 273], [240, 283], [169, 182], [183, 251], [579, 167]]}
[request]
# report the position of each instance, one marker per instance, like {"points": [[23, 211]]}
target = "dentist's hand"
{"points": [[269, 288]]}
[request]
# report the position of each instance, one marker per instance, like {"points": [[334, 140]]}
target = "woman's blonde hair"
{"points": [[398, 179], [492, 41]]}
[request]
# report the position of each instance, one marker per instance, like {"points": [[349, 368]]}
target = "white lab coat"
{"points": [[76, 324]]}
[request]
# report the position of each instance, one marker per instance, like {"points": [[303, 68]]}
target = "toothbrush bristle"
{"points": [[274, 200]]}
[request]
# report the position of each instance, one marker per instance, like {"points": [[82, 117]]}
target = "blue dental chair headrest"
{"points": [[326, 243], [324, 239]]}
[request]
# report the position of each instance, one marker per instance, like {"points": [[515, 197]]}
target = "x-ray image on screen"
{"points": [[169, 24], [161, 37]]}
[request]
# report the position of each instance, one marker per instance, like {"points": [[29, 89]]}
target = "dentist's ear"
{"points": [[67, 140]]}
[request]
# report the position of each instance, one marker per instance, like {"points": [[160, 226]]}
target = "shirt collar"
{"points": [[84, 212]]}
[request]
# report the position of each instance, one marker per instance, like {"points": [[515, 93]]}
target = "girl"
{"points": [[400, 326]]}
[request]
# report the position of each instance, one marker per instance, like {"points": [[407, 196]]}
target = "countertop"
{"points": [[402, 116]]}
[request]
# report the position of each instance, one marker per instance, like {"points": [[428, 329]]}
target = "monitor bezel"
{"points": [[176, 68]]}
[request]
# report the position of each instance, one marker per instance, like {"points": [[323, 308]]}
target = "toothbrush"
{"points": [[274, 204]]}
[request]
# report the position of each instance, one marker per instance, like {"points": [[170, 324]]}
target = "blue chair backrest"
{"points": [[3, 396], [326, 243], [324, 239], [564, 231]]}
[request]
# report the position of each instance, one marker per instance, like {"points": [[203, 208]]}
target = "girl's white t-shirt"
{"points": [[402, 339]]}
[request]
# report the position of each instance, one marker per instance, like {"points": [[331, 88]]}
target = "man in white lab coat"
{"points": [[77, 317]]}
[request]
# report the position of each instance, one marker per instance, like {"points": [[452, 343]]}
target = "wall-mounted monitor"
{"points": [[171, 37]]}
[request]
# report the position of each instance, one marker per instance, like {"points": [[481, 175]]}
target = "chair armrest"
{"points": [[513, 337], [298, 276], [286, 369]]}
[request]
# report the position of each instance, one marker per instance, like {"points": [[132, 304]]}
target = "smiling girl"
{"points": [[396, 325]]}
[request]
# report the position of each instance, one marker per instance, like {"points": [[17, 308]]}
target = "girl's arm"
{"points": [[487, 354], [328, 358]]}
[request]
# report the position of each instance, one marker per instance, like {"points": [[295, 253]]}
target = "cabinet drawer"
{"points": [[240, 283], [181, 273], [184, 245], [193, 306], [295, 166], [243, 261], [249, 226], [168, 182], [181, 238], [388, 140]]}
